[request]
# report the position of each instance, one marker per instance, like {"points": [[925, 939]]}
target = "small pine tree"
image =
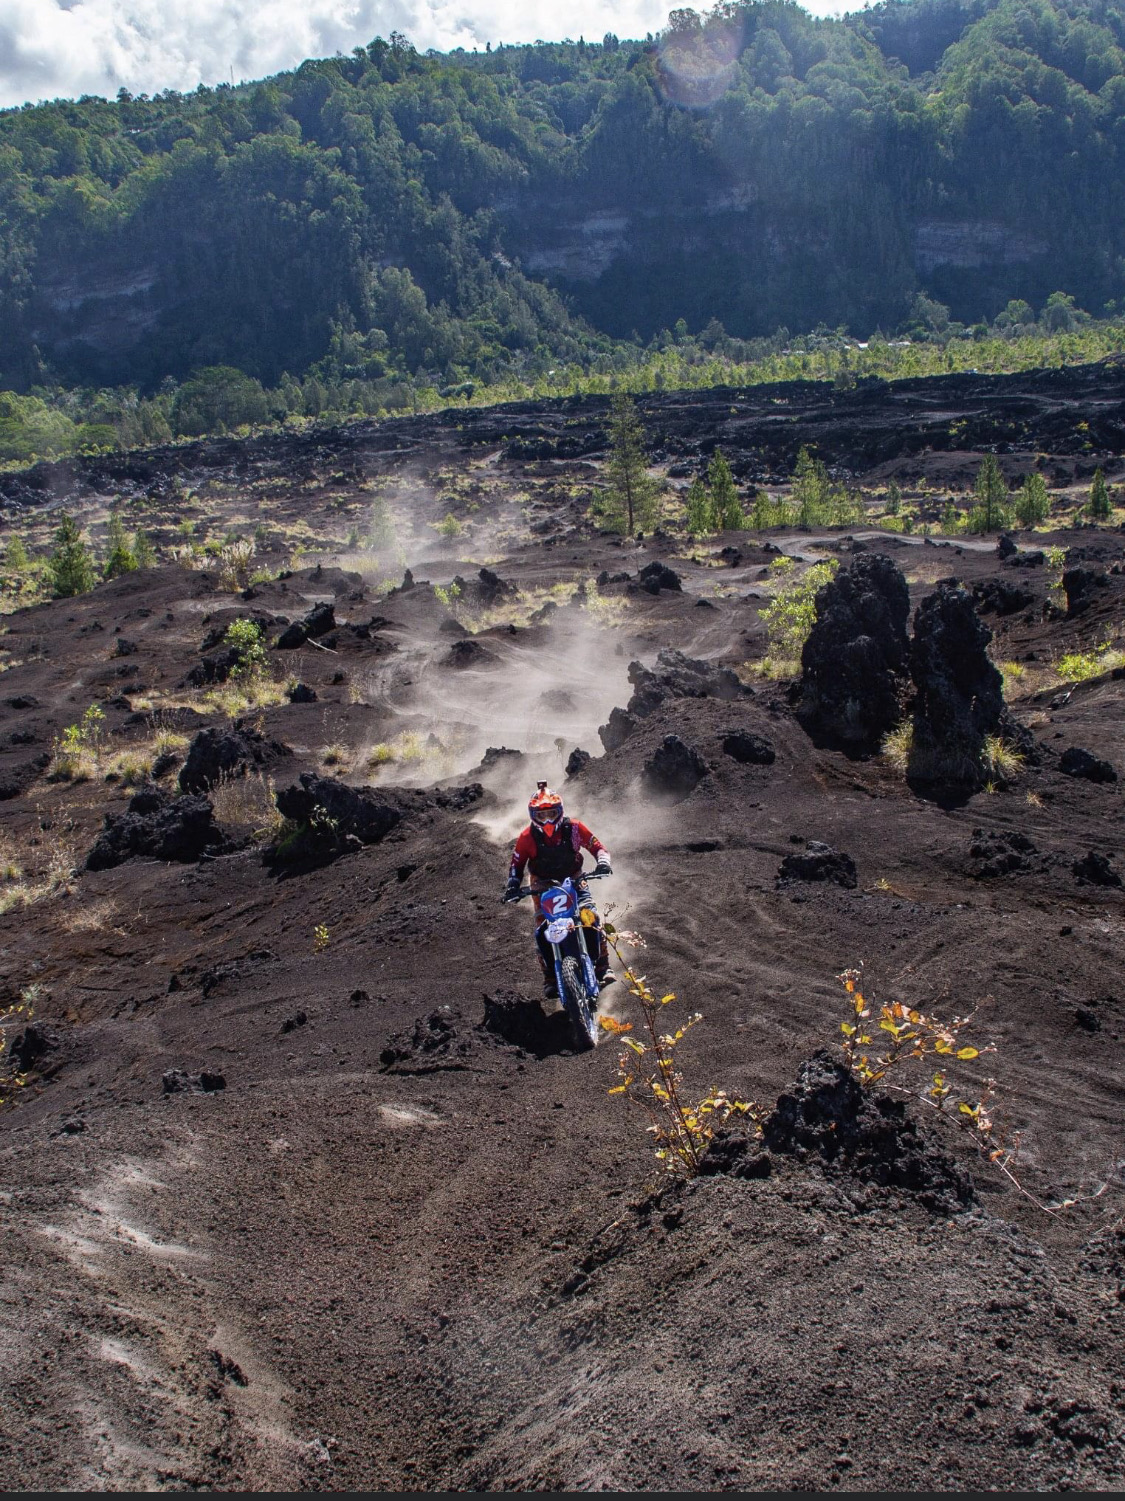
{"points": [[72, 571], [119, 558], [1099, 507], [15, 554], [763, 513], [989, 513], [894, 499], [810, 489], [143, 550], [729, 516], [700, 511], [1032, 503], [630, 505]]}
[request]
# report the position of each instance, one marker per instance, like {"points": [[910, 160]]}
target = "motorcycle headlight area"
{"points": [[557, 931]]}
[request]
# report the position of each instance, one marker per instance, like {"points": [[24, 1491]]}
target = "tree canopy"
{"points": [[390, 214]]}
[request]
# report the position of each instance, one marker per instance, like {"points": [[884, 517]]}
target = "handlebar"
{"points": [[586, 875]]}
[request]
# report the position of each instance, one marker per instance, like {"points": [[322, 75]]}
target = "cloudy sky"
{"points": [[61, 48]]}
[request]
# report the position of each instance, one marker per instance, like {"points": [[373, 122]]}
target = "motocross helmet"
{"points": [[546, 810]]}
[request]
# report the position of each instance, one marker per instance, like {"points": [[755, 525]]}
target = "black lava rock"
{"points": [[1006, 547], [496, 754], [655, 576], [318, 622], [750, 750], [1096, 870], [301, 693], [1081, 586], [433, 1045], [827, 1114], [854, 663], [818, 862], [1077, 762], [1001, 852], [999, 597], [675, 768], [675, 676], [341, 811], [621, 725], [492, 587], [577, 761], [469, 653], [960, 694], [158, 825], [216, 667], [218, 753]]}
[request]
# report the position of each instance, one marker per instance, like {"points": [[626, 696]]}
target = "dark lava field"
{"points": [[306, 1190]]}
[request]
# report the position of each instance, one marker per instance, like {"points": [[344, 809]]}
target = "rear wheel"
{"points": [[577, 1005]]}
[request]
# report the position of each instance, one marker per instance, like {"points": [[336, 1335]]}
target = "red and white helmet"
{"points": [[546, 809]]}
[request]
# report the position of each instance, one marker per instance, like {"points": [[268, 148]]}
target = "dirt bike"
{"points": [[572, 939]]}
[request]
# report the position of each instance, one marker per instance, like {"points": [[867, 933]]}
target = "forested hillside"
{"points": [[391, 214]]}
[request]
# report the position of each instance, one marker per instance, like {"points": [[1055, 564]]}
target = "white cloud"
{"points": [[62, 48]]}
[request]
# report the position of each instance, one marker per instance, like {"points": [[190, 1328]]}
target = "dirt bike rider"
{"points": [[551, 847]]}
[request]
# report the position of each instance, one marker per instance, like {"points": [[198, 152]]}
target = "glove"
{"points": [[511, 890], [604, 868]]}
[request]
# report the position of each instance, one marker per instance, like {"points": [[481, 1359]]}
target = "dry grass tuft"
{"points": [[247, 804]]}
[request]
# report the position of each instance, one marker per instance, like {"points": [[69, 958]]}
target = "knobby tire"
{"points": [[576, 1005]]}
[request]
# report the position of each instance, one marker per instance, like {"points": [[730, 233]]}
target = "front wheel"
{"points": [[577, 1005]]}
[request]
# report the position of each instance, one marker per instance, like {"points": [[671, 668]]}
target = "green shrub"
{"points": [[791, 614], [71, 567], [246, 637]]}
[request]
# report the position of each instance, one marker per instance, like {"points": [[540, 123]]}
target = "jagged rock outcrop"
{"points": [[217, 753], [1094, 869], [329, 818], [999, 597], [749, 749], [577, 761], [827, 1114], [469, 653], [1002, 852], [960, 694], [854, 666], [675, 676], [655, 576], [159, 825], [675, 768], [620, 726], [672, 675], [1076, 762], [1081, 587], [318, 622]]}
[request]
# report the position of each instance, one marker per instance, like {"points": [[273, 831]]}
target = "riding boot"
{"points": [[550, 987]]}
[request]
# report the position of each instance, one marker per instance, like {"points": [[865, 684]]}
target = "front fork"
{"points": [[593, 989]]}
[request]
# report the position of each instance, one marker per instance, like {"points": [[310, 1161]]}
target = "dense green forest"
{"points": [[390, 221]]}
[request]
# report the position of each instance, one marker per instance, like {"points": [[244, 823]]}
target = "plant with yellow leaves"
{"points": [[913, 1036], [910, 1035], [648, 1077]]}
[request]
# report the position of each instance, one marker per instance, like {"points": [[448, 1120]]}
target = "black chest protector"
{"points": [[554, 862]]}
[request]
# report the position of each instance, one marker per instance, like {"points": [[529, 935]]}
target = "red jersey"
{"points": [[556, 857]]}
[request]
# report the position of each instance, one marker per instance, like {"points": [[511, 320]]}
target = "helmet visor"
{"points": [[549, 814]]}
